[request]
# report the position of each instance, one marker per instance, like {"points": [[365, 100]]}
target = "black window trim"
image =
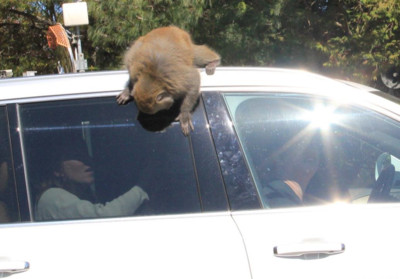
{"points": [[239, 184], [213, 195]]}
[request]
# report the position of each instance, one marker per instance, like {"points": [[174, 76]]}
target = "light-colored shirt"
{"points": [[59, 204]]}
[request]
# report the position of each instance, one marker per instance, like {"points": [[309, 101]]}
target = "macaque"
{"points": [[162, 69]]}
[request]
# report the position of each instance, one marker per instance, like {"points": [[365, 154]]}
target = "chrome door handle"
{"points": [[309, 250], [12, 267]]}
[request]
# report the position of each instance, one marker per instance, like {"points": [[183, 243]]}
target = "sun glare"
{"points": [[322, 117]]}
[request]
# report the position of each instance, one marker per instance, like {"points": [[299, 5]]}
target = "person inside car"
{"points": [[295, 166], [67, 192], [284, 149]]}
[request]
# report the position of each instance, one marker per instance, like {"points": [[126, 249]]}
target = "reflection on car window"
{"points": [[8, 202], [90, 159], [307, 151]]}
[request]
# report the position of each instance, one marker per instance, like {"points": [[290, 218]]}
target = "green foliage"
{"points": [[243, 32], [354, 39], [363, 38], [23, 45], [115, 24]]}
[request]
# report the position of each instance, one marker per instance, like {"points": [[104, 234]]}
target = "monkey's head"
{"points": [[150, 95]]}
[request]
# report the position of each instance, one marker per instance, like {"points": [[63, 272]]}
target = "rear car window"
{"points": [[91, 158], [303, 150]]}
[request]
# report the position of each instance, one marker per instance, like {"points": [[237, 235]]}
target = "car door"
{"points": [[345, 223], [180, 232]]}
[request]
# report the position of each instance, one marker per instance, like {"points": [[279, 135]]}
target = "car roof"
{"points": [[225, 78], [90, 82], [360, 86]]}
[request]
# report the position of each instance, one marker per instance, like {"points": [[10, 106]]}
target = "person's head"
{"points": [[62, 161], [68, 166], [74, 172]]}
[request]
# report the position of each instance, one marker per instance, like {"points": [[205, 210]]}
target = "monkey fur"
{"points": [[162, 69]]}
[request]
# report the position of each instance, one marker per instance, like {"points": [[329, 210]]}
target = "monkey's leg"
{"points": [[189, 102], [185, 118], [204, 56]]}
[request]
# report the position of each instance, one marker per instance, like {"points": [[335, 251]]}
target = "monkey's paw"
{"points": [[210, 67], [124, 98], [186, 122]]}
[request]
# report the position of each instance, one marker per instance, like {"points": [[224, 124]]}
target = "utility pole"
{"points": [[80, 62], [76, 14]]}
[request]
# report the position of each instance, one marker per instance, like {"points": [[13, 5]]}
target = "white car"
{"points": [[287, 174]]}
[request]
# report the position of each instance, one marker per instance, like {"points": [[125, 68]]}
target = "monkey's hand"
{"points": [[186, 122], [210, 67], [124, 97]]}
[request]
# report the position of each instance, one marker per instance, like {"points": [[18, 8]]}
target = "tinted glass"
{"points": [[305, 151], [84, 158], [8, 202]]}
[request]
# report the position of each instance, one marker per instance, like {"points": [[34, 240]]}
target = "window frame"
{"points": [[16, 164]]}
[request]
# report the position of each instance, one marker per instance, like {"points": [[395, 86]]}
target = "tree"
{"points": [[354, 39], [115, 24], [23, 26], [357, 39], [244, 32]]}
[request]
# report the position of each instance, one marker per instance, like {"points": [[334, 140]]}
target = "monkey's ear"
{"points": [[164, 100], [162, 96]]}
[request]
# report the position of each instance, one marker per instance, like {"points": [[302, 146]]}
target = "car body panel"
{"points": [[342, 240], [190, 246], [356, 227]]}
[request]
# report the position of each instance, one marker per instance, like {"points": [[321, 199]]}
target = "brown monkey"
{"points": [[162, 69]]}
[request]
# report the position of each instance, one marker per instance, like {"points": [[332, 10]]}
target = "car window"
{"points": [[9, 211], [91, 158], [305, 151]]}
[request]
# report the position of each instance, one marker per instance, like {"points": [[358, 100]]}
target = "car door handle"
{"points": [[11, 267], [309, 250]]}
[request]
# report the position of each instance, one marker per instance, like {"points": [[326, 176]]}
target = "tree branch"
{"points": [[8, 23], [34, 19], [346, 27]]}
